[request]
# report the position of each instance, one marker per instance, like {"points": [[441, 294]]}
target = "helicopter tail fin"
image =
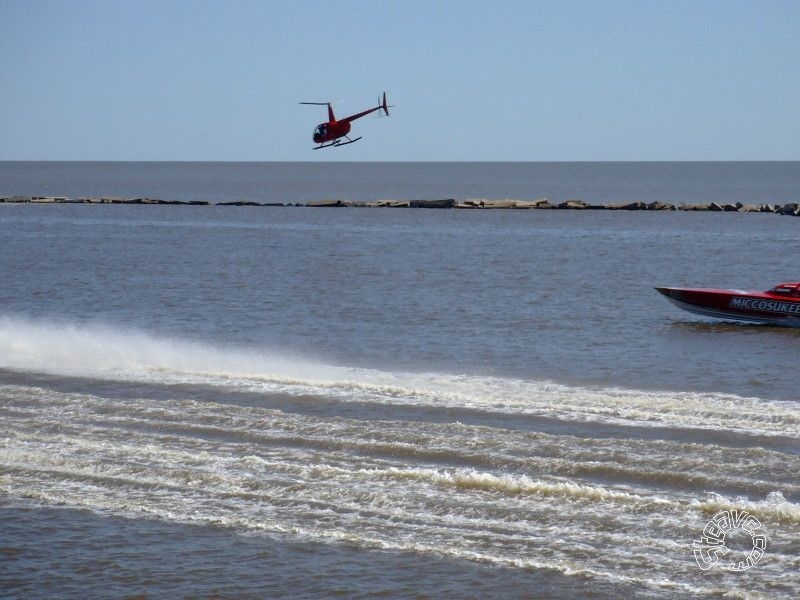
{"points": [[384, 106]]}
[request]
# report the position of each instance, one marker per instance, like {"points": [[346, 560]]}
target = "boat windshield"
{"points": [[787, 289]]}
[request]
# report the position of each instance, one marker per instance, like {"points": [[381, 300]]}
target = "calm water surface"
{"points": [[675, 182]]}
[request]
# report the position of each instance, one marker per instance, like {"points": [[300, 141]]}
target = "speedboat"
{"points": [[778, 306]]}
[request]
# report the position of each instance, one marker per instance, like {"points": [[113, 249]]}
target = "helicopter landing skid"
{"points": [[349, 141], [337, 143]]}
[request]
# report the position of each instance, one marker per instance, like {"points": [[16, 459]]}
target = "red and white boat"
{"points": [[778, 306]]}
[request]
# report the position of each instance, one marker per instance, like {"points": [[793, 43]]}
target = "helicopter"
{"points": [[330, 134]]}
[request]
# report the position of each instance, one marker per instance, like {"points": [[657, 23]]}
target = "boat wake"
{"points": [[605, 483], [104, 352]]}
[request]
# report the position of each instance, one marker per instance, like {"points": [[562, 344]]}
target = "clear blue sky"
{"points": [[517, 81]]}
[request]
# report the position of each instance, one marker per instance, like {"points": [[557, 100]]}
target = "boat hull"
{"points": [[752, 307]]}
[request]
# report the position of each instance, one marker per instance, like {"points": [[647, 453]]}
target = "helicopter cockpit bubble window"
{"points": [[320, 130]]}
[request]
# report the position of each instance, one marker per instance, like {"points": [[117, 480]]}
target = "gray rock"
{"points": [[791, 208], [324, 203], [660, 206], [389, 204], [443, 203], [626, 206], [544, 204], [473, 202], [573, 205], [500, 204], [732, 207]]}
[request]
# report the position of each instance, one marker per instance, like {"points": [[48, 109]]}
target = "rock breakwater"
{"points": [[792, 208]]}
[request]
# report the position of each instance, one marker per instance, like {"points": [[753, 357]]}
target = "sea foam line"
{"points": [[97, 350], [167, 511], [213, 491], [182, 422]]}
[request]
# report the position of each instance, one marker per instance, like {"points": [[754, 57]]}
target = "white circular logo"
{"points": [[711, 545]]}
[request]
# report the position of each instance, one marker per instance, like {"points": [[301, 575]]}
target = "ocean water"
{"points": [[597, 182], [296, 402]]}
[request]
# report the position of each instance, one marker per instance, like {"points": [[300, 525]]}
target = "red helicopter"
{"points": [[331, 133]]}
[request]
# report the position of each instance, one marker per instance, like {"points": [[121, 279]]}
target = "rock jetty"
{"points": [[792, 208]]}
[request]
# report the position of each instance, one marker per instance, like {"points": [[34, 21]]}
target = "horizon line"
{"points": [[604, 161]]}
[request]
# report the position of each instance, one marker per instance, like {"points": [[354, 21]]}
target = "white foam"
{"points": [[116, 353], [99, 349], [774, 507], [132, 457], [468, 479]]}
